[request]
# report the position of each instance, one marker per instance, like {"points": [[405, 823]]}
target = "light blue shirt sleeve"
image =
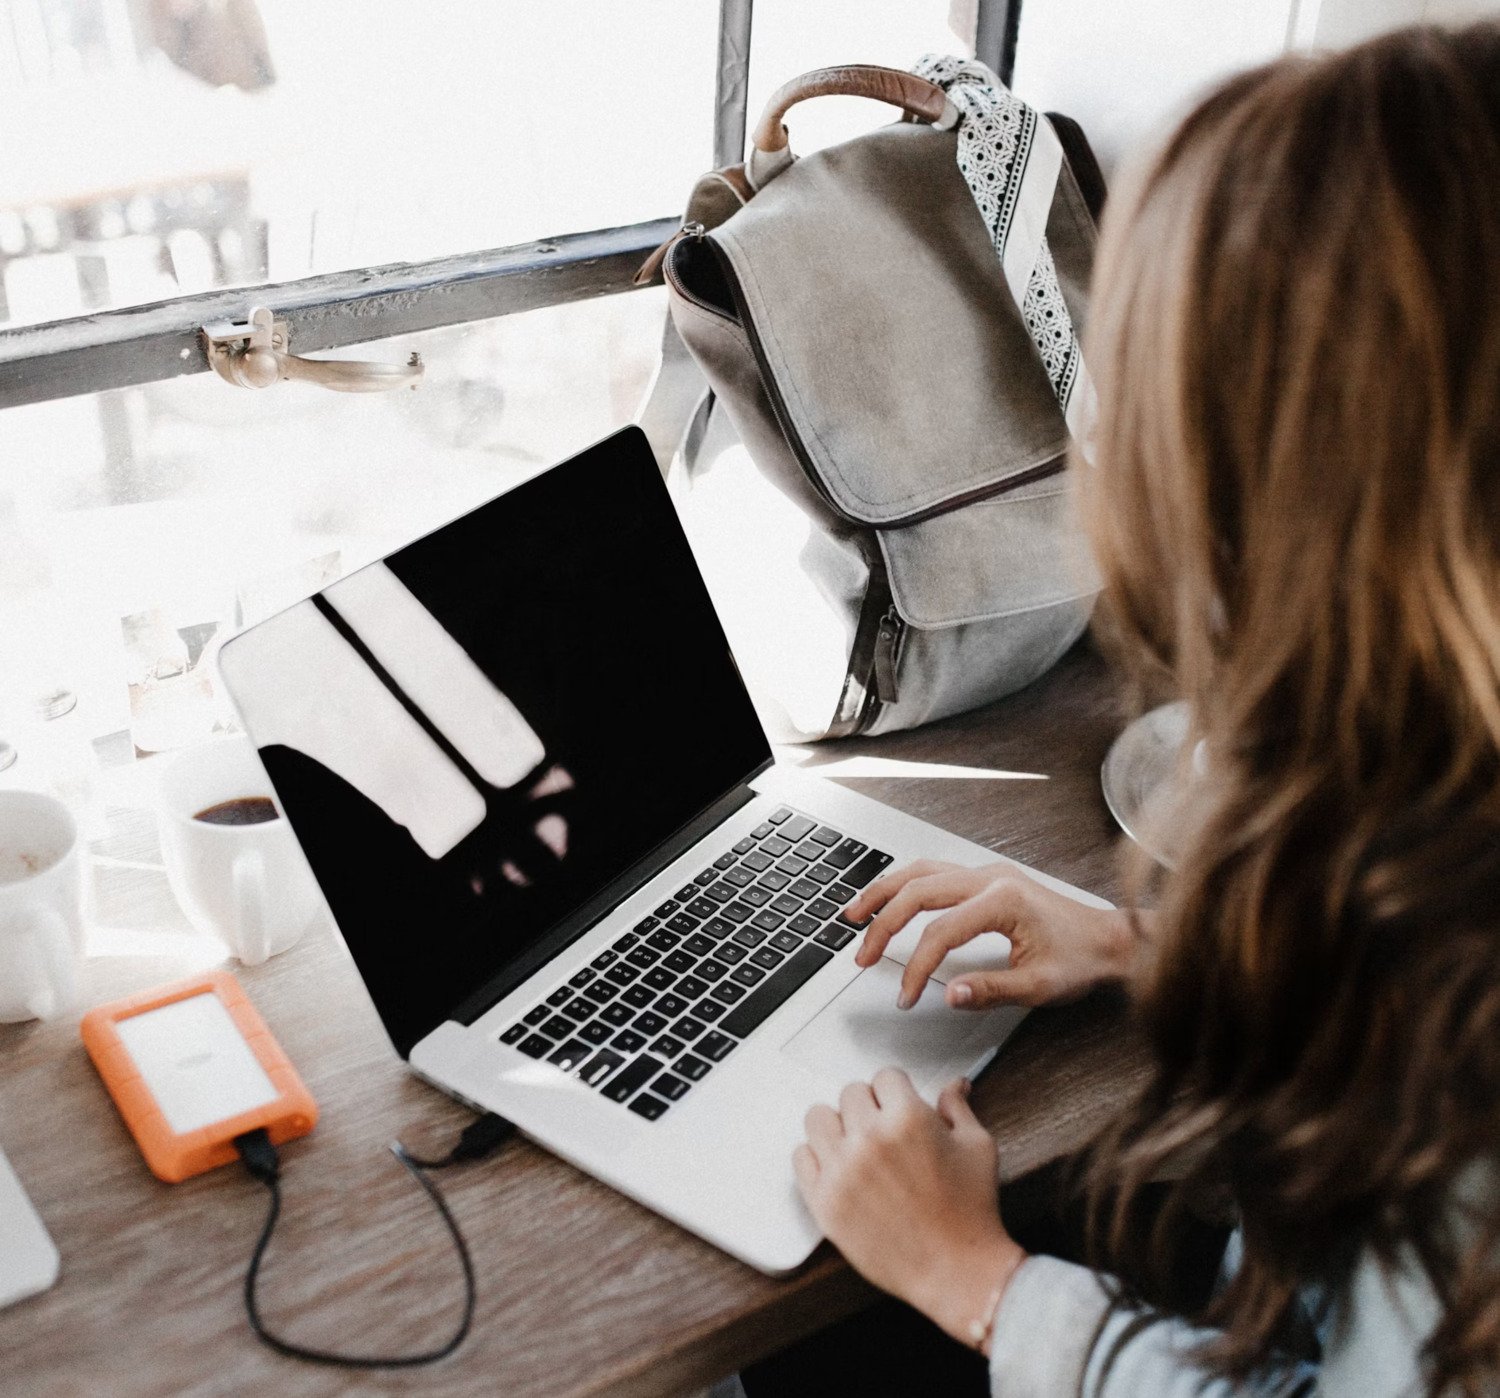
{"points": [[1056, 1335]]}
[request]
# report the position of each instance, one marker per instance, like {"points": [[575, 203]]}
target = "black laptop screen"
{"points": [[475, 737]]}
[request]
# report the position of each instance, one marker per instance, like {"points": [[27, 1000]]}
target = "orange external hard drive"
{"points": [[191, 1066]]}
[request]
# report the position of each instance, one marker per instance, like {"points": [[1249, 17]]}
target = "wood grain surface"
{"points": [[580, 1290]]}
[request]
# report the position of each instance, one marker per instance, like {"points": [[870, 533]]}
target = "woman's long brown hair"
{"points": [[1296, 513]]}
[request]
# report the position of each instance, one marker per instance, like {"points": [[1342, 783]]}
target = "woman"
{"points": [[1296, 513]]}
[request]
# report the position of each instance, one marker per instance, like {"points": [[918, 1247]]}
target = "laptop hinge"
{"points": [[571, 928]]}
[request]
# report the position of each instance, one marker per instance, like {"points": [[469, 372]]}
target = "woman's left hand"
{"points": [[909, 1195]]}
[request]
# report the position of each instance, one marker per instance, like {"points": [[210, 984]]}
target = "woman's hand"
{"points": [[909, 1196], [1059, 948]]}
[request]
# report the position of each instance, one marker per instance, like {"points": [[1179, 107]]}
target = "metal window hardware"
{"points": [[255, 355]]}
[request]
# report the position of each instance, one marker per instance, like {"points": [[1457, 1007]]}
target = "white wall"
{"points": [[1125, 71]]}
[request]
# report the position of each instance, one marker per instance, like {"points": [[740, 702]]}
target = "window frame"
{"points": [[136, 345]]}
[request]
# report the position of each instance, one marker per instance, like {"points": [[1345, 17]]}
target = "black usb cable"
{"points": [[481, 1137]]}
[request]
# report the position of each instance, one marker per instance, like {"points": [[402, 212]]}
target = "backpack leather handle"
{"points": [[915, 96]]}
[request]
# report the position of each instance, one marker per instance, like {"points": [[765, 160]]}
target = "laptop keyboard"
{"points": [[653, 1014]]}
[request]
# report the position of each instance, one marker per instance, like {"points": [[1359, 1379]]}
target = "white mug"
{"points": [[41, 907], [248, 885]]}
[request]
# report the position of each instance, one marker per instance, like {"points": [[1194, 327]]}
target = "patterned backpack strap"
{"points": [[1010, 157]]}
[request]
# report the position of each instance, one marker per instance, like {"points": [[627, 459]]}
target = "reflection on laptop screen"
{"points": [[474, 737]]}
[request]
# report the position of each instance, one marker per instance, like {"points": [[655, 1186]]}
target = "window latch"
{"points": [[255, 355]]}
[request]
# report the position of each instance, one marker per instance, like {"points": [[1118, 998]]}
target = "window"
{"points": [[473, 180]]}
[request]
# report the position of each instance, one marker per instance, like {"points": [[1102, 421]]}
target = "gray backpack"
{"points": [[862, 347]]}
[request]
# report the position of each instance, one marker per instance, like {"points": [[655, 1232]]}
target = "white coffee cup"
{"points": [[248, 885], [41, 907]]}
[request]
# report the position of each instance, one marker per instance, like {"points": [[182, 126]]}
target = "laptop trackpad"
{"points": [[861, 1031]]}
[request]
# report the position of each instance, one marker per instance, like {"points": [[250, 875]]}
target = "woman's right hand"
{"points": [[1060, 949]]}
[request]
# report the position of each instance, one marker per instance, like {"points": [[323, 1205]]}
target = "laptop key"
{"points": [[767, 921], [767, 958], [797, 828], [560, 996], [570, 1055], [743, 846], [728, 992], [809, 850], [617, 1014], [770, 997], [835, 935], [845, 854], [579, 1009], [679, 961], [827, 836], [740, 878], [701, 908], [779, 815], [757, 860], [786, 941], [749, 937], [623, 974], [709, 1010], [776, 846], [644, 957], [649, 1023], [803, 925], [691, 1066], [822, 909], [859, 874], [762, 830], [639, 996], [841, 893], [667, 908], [792, 865], [688, 1028], [667, 1046], [624, 944], [602, 992], [634, 1074], [822, 873], [557, 1027], [756, 897], [805, 888], [747, 974], [659, 979], [645, 925], [724, 861], [663, 940], [706, 877], [534, 1046], [671, 1087], [537, 1015], [628, 1041], [691, 987], [730, 953], [775, 880], [717, 927], [671, 1006], [786, 905], [721, 892], [680, 925], [596, 1032], [514, 1034], [712, 970], [736, 911], [717, 1046], [600, 1066], [604, 960], [686, 893], [698, 944], [648, 1106]]}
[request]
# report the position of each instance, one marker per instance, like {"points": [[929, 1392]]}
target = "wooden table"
{"points": [[580, 1290]]}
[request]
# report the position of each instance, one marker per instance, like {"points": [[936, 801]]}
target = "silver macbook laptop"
{"points": [[581, 893]]}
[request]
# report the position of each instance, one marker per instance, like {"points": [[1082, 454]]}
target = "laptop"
{"points": [[581, 892]]}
